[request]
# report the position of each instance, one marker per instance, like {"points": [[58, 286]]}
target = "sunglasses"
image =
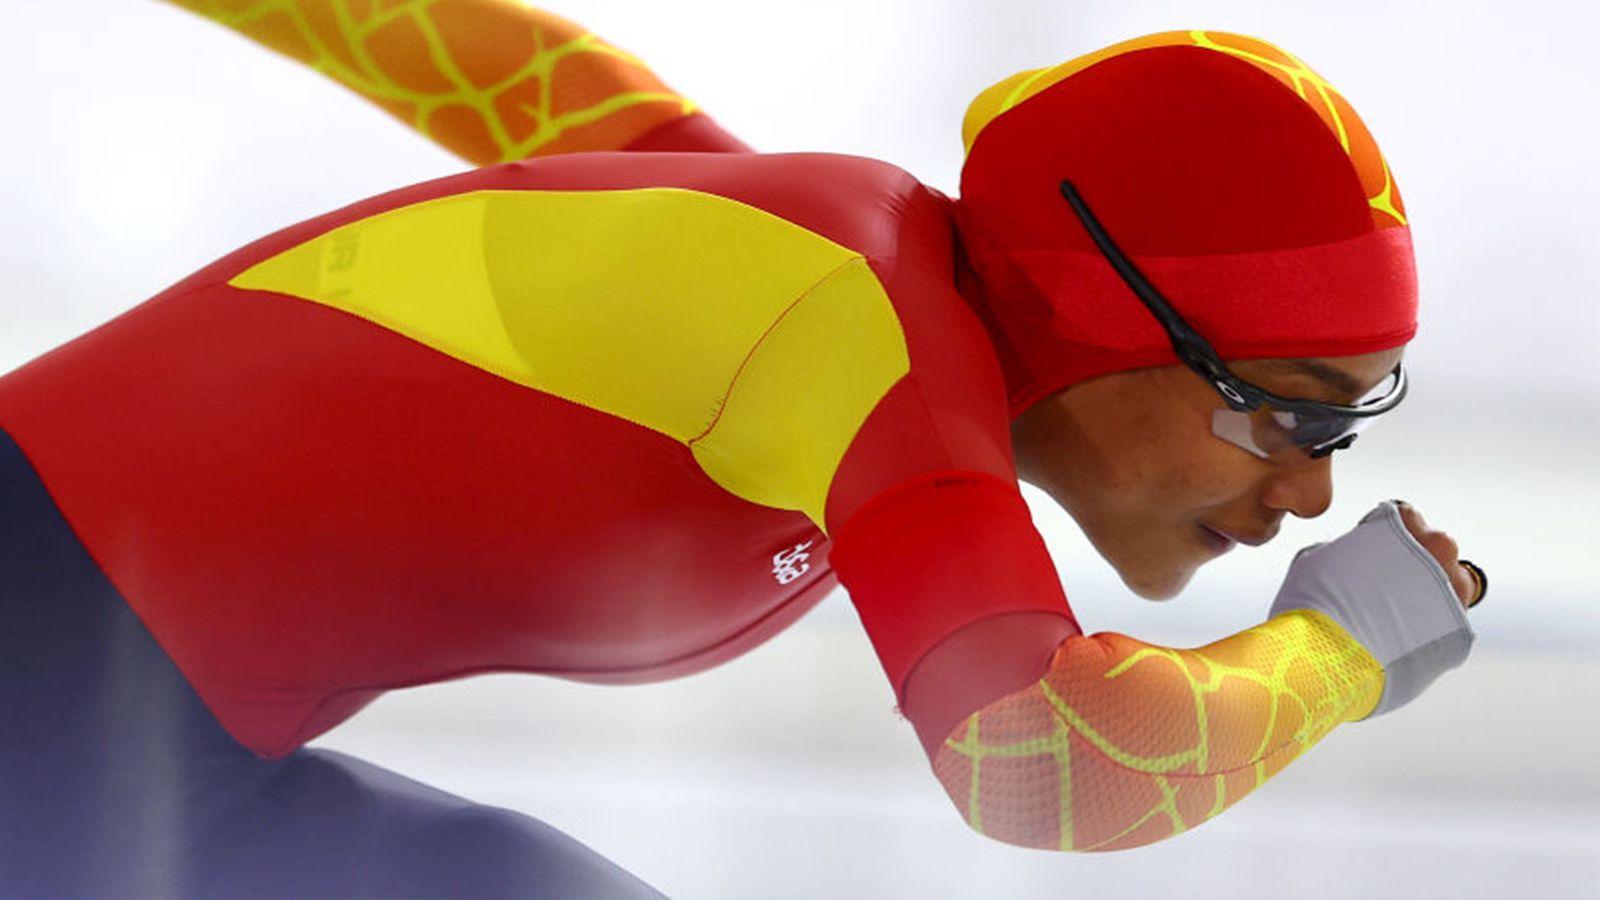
{"points": [[1257, 420]]}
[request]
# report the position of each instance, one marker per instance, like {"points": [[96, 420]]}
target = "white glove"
{"points": [[1393, 597]]}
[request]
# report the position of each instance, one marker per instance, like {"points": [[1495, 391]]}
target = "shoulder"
{"points": [[866, 205], [876, 208]]}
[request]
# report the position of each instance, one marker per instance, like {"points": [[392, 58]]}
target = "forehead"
{"points": [[1339, 379]]}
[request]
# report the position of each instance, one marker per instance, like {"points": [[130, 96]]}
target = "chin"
{"points": [[1159, 588]]}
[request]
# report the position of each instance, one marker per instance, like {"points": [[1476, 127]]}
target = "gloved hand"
{"points": [[1443, 548], [1387, 583]]}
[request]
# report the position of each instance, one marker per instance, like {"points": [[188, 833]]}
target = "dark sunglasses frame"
{"points": [[1198, 354]]}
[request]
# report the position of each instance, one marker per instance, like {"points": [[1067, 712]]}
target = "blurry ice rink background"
{"points": [[142, 142]]}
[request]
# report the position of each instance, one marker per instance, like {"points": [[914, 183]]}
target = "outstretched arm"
{"points": [[489, 80]]}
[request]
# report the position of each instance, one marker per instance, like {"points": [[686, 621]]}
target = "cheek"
{"points": [[1192, 469], [1148, 454]]}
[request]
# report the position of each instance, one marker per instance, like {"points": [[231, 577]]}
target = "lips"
{"points": [[1246, 539], [1218, 541]]}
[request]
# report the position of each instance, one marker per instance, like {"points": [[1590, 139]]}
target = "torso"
{"points": [[313, 488]]}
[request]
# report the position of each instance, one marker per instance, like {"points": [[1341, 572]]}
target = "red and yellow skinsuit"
{"points": [[619, 417]]}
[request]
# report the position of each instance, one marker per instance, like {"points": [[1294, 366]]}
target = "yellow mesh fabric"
{"points": [[489, 80], [1123, 743]]}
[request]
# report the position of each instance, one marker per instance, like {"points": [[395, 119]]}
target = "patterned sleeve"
{"points": [[1124, 743], [489, 80], [1044, 737]]}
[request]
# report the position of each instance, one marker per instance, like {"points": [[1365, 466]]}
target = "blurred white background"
{"points": [[142, 142]]}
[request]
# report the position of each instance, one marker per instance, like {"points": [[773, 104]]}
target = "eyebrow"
{"points": [[1338, 379]]}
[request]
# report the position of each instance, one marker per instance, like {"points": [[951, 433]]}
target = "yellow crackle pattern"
{"points": [[1382, 194], [490, 80], [1123, 743]]}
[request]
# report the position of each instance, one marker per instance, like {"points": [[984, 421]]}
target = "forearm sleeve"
{"points": [[1123, 743], [489, 80], [1044, 737]]}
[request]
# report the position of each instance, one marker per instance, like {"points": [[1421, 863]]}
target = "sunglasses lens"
{"points": [[1280, 435], [1260, 431], [1285, 436]]}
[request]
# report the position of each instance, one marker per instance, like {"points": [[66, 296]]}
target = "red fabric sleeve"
{"points": [[947, 561]]}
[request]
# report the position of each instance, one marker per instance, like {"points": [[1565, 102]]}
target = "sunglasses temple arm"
{"points": [[1187, 343]]}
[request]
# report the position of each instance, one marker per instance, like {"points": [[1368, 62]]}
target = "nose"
{"points": [[1304, 488]]}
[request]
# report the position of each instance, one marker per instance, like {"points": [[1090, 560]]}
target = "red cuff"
{"points": [[936, 553]]}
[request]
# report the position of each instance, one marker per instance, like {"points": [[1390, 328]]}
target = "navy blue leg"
{"points": [[115, 780], [331, 823]]}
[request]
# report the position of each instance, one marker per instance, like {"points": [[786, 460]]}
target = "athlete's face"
{"points": [[1132, 458]]}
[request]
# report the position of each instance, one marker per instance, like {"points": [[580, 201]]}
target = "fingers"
{"points": [[1466, 587], [1481, 585], [1442, 547]]}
